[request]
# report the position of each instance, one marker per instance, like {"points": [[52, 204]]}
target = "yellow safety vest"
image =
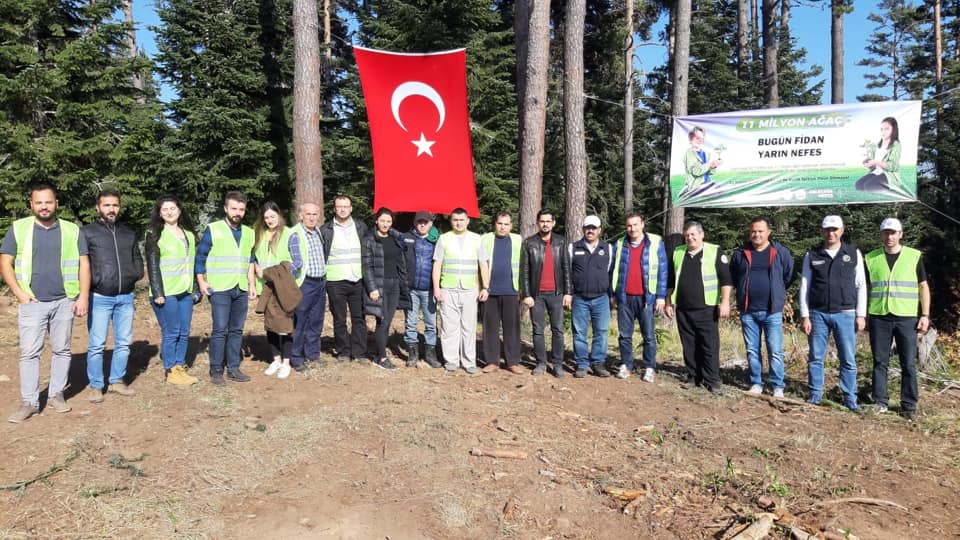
{"points": [[267, 258], [653, 263], [486, 241], [893, 292], [301, 234], [708, 268], [459, 268], [69, 255], [344, 260], [228, 263], [176, 262]]}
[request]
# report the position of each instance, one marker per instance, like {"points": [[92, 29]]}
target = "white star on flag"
{"points": [[423, 145]]}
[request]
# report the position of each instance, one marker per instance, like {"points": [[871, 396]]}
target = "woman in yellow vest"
{"points": [[270, 248], [171, 248]]}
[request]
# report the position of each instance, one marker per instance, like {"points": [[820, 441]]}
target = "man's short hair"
{"points": [[236, 196], [633, 214], [693, 225], [762, 219], [503, 213], [458, 210], [107, 193], [42, 186], [545, 212], [341, 197]]}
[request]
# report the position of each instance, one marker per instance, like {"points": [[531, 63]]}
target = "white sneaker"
{"points": [[623, 372], [272, 368], [778, 393], [755, 389], [649, 375], [284, 371]]}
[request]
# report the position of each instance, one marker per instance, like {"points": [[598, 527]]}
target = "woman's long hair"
{"points": [[260, 228], [156, 220], [895, 132]]}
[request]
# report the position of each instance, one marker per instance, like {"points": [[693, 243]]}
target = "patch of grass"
{"points": [[761, 452]]}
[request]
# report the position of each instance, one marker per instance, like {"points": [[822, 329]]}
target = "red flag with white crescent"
{"points": [[420, 130]]}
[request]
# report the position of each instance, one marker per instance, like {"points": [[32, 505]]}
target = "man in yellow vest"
{"points": [[226, 275], [49, 295], [308, 320], [898, 292], [502, 307], [460, 268], [699, 295], [341, 244]]}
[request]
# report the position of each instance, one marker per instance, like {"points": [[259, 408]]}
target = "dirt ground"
{"points": [[355, 452]]}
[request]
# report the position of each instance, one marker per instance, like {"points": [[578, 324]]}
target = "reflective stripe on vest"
{"points": [[69, 255], [459, 269], [176, 262], [267, 258], [228, 263], [893, 292], [486, 241], [301, 234], [653, 264], [708, 269], [344, 260]]}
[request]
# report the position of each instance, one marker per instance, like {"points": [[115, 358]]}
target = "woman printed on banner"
{"points": [[171, 248], [384, 279], [883, 160], [698, 165]]}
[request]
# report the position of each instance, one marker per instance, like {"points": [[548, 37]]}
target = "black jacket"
{"points": [[153, 267], [326, 233], [531, 265], [371, 252], [115, 261]]}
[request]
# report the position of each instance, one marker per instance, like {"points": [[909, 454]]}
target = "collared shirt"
{"points": [[316, 267]]}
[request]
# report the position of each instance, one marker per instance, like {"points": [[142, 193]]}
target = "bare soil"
{"points": [[353, 451]]}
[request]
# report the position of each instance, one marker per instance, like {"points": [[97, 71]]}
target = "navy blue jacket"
{"points": [[419, 255], [781, 275]]}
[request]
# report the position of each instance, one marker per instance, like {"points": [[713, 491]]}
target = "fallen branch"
{"points": [[778, 403], [22, 485], [624, 494], [758, 529], [506, 454], [863, 500]]}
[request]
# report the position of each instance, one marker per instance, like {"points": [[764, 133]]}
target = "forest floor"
{"points": [[353, 451]]}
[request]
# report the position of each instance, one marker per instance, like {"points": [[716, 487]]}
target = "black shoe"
{"points": [[558, 371], [716, 390], [599, 370], [580, 373], [431, 356], [238, 376], [689, 381], [540, 369], [385, 363], [413, 354], [908, 415], [216, 379], [302, 368], [343, 358]]}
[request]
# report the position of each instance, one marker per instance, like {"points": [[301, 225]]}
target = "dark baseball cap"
{"points": [[422, 215]]}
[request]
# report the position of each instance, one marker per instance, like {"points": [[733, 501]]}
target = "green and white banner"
{"points": [[827, 154]]}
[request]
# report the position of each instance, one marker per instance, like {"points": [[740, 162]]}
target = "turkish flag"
{"points": [[420, 130]]}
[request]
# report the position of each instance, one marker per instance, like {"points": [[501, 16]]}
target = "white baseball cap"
{"points": [[591, 221], [891, 224], [832, 222]]}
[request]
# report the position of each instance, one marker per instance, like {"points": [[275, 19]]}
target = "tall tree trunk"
{"points": [[306, 104], [534, 116], [743, 40], [837, 11], [681, 78], [754, 29], [784, 18], [938, 48], [573, 136], [628, 108], [132, 44], [327, 58], [771, 87], [521, 35]]}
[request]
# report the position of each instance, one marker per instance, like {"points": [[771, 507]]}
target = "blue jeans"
{"points": [[635, 308], [103, 309], [844, 328], [771, 326], [174, 317], [308, 321], [421, 302], [588, 312], [229, 311]]}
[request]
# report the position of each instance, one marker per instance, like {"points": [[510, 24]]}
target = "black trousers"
{"points": [[391, 297], [700, 339], [545, 303], [280, 344], [501, 312], [343, 295]]}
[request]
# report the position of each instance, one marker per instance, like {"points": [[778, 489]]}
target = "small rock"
{"points": [[305, 522], [4, 378]]}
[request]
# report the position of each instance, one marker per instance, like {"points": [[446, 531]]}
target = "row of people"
{"points": [[374, 272]]}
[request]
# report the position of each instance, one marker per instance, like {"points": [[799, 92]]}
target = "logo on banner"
{"points": [[416, 88]]}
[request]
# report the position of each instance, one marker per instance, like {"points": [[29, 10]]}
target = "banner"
{"points": [[828, 154], [419, 129]]}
